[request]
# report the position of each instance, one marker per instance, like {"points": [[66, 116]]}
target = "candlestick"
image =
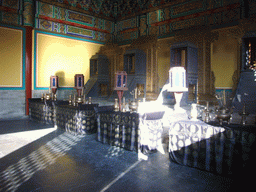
{"points": [[224, 98], [116, 106], [123, 109]]}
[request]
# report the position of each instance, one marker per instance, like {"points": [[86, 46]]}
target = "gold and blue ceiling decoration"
{"points": [[11, 11], [114, 9], [57, 19], [103, 8], [122, 21]]}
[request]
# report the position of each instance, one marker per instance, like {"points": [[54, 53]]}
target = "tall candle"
{"points": [[224, 98]]}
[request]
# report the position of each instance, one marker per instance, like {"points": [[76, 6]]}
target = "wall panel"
{"points": [[223, 61], [62, 56], [12, 55]]}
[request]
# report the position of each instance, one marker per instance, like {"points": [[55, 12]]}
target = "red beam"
{"points": [[8, 9], [211, 11], [28, 71], [72, 24], [129, 30]]}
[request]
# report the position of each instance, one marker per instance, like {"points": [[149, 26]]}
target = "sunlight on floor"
{"points": [[17, 174], [13, 141]]}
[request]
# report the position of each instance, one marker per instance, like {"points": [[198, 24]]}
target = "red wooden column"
{"points": [[28, 22], [28, 72]]}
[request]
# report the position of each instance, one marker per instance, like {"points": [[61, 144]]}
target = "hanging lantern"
{"points": [[121, 81], [177, 84], [120, 85], [54, 83], [79, 83], [177, 79]]}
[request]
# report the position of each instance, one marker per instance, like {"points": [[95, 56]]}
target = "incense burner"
{"points": [[224, 114]]}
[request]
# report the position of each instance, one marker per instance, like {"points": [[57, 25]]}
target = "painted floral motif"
{"points": [[11, 3], [45, 24], [62, 14], [110, 8], [143, 26], [153, 30], [108, 26], [46, 9], [78, 31], [28, 17], [62, 28], [153, 17], [10, 18], [79, 17]]}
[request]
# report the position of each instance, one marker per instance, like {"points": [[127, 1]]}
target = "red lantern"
{"points": [[54, 83], [79, 83], [120, 85]]}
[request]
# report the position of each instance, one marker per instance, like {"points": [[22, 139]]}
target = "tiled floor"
{"points": [[59, 161]]}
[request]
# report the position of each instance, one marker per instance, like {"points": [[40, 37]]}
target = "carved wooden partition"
{"points": [[152, 46], [148, 45]]}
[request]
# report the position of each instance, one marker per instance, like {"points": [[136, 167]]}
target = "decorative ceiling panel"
{"points": [[114, 9]]}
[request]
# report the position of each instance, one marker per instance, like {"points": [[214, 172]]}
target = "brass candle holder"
{"points": [[207, 113], [116, 105], [70, 100], [123, 105], [90, 100], [243, 114]]}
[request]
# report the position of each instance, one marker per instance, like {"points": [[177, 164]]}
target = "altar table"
{"points": [[44, 111], [131, 131], [79, 119], [227, 149]]}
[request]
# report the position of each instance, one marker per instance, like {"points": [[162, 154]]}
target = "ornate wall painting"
{"points": [[188, 23], [153, 17], [212, 4], [126, 24], [228, 2], [79, 18], [161, 14], [143, 25], [231, 15], [252, 6], [11, 12], [11, 18], [153, 30], [44, 24], [109, 26], [214, 19], [44, 9], [60, 13], [14, 4], [79, 32], [69, 15], [162, 29], [187, 8], [65, 21]]}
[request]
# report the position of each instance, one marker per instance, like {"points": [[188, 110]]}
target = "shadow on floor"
{"points": [[61, 161], [19, 125]]}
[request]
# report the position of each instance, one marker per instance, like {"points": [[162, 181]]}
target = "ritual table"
{"points": [[226, 149], [120, 129], [151, 129], [43, 111], [79, 119], [129, 130]]}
